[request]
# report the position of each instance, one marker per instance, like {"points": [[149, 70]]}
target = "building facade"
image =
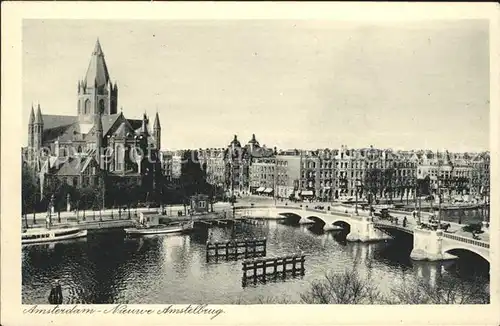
{"points": [[262, 174], [98, 143], [237, 161]]}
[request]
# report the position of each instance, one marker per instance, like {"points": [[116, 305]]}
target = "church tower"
{"points": [[38, 130], [98, 140], [97, 95], [157, 132], [31, 129]]}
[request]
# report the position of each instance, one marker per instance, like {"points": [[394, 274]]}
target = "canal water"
{"points": [[109, 268]]}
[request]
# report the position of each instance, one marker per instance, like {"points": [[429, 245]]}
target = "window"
{"points": [[86, 109], [102, 106]]}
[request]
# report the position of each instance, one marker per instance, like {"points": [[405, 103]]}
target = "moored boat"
{"points": [[161, 228], [149, 223], [43, 235]]}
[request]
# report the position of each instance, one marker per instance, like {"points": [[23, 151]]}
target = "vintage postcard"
{"points": [[271, 163]]}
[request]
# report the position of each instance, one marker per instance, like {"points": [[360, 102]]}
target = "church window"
{"points": [[101, 106], [120, 157], [87, 107]]}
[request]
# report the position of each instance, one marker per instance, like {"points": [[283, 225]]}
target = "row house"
{"points": [[287, 174], [263, 176], [213, 160]]}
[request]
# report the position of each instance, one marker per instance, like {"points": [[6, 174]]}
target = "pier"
{"points": [[253, 221], [234, 249], [258, 269]]}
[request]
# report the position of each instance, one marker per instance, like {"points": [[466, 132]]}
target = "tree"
{"points": [[193, 176], [372, 183], [344, 288], [444, 291], [29, 190], [387, 185]]}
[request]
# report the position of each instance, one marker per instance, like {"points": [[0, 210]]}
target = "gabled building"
{"points": [[98, 141]]}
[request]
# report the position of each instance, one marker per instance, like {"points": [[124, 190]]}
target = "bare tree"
{"points": [[344, 288], [444, 291]]}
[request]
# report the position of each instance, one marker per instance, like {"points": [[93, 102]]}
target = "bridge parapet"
{"points": [[467, 240], [392, 226]]}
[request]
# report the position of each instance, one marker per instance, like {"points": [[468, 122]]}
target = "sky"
{"points": [[295, 84]]}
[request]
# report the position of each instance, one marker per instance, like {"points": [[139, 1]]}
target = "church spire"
{"points": [[38, 118], [157, 131], [32, 115], [97, 48], [97, 72], [144, 127], [157, 122]]}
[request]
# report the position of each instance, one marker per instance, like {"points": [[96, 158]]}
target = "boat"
{"points": [[149, 224], [43, 235], [179, 227]]}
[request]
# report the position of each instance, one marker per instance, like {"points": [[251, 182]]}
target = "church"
{"points": [[98, 142]]}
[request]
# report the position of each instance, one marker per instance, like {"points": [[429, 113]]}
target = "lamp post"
{"points": [[358, 186]]}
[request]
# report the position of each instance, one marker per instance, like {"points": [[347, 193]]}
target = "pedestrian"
{"points": [[55, 296], [404, 221], [460, 220]]}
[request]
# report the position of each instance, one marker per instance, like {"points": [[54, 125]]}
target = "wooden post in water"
{"points": [[302, 265], [254, 273], [216, 251], [227, 250], [264, 265]]}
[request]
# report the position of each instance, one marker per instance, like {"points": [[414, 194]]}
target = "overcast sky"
{"points": [[295, 84]]}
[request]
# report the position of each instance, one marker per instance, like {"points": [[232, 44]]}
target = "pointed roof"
{"points": [[144, 127], [157, 122], [32, 115], [38, 118], [253, 140], [235, 141], [97, 72]]}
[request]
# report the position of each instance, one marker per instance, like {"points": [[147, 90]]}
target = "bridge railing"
{"points": [[392, 226], [467, 240], [307, 209]]}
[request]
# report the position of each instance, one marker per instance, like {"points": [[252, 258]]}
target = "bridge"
{"points": [[427, 244]]}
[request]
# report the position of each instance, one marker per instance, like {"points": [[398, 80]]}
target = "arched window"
{"points": [[102, 106], [79, 106], [87, 107]]}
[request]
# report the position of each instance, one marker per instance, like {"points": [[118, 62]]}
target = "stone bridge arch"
{"points": [[291, 217], [317, 220], [465, 250]]}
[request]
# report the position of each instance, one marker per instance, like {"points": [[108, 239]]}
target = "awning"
{"points": [[268, 190], [260, 189], [307, 193]]}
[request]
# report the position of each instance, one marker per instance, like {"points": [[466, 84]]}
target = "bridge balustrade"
{"points": [[392, 226], [467, 240]]}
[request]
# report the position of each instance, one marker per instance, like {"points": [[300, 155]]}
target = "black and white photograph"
{"points": [[193, 163]]}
